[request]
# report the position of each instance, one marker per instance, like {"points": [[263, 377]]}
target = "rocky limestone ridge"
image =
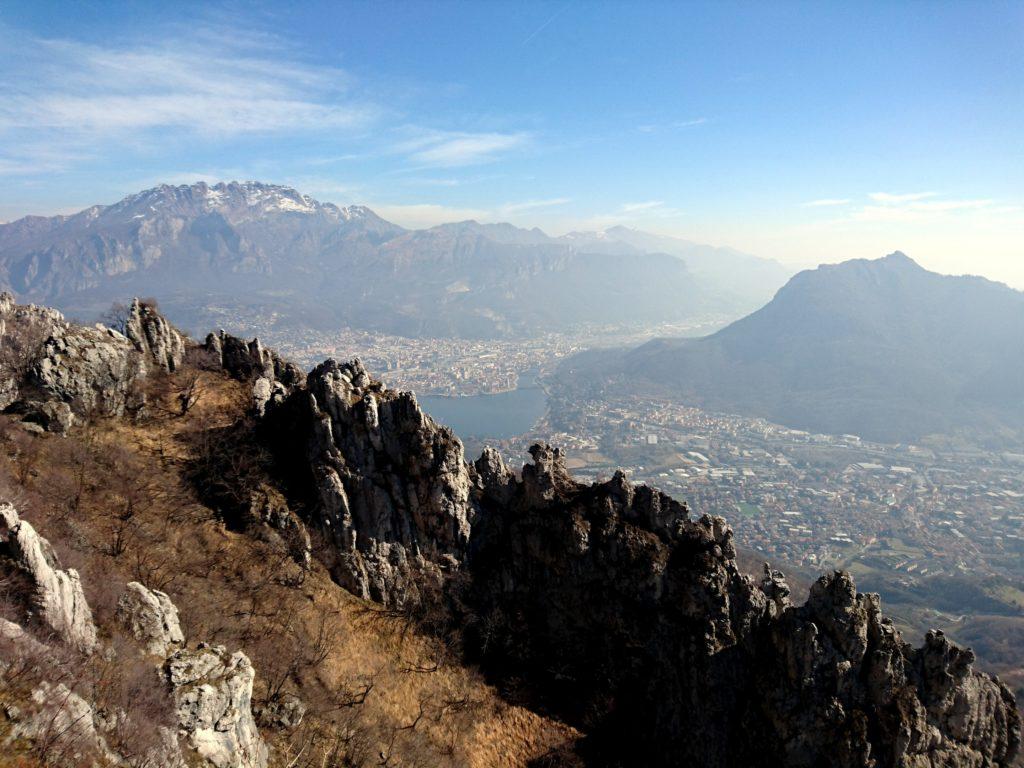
{"points": [[53, 371], [606, 602], [391, 487], [151, 618], [211, 689], [628, 615], [213, 695], [272, 377], [154, 336], [612, 606], [54, 598]]}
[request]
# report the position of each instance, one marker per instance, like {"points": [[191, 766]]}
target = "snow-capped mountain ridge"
{"points": [[248, 198], [268, 249]]}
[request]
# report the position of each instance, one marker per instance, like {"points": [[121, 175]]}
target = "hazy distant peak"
{"points": [[501, 232], [895, 263], [899, 258]]}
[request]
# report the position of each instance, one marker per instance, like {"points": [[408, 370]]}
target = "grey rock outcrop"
{"points": [[65, 721], [93, 370], [51, 415], [212, 692], [151, 618], [55, 598], [393, 486], [609, 604], [272, 377], [61, 718], [283, 713], [154, 336], [54, 370], [630, 617], [876, 700]]}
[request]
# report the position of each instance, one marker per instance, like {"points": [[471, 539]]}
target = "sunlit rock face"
{"points": [[151, 618], [53, 597], [53, 371], [393, 486], [212, 692]]}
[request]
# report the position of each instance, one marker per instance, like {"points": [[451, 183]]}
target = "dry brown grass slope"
{"points": [[113, 499]]}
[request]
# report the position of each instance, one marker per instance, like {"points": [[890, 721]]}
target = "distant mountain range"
{"points": [[883, 349], [251, 249]]}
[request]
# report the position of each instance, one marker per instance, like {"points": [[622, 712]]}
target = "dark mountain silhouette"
{"points": [[884, 349]]}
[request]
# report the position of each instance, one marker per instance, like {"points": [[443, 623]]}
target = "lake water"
{"points": [[497, 416]]}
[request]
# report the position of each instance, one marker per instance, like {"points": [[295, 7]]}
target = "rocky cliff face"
{"points": [[609, 604], [630, 617], [211, 689], [53, 371], [52, 597], [606, 603], [213, 696], [393, 486], [151, 618], [272, 378], [153, 336]]}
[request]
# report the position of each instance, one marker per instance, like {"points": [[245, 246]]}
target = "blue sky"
{"points": [[806, 132]]}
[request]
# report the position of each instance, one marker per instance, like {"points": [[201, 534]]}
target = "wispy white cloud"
{"points": [[241, 85], [676, 124], [447, 149], [435, 182], [530, 205], [644, 206], [826, 202], [891, 199], [209, 83], [648, 213], [914, 207], [419, 216]]}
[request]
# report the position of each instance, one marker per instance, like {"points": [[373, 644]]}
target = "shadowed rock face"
{"points": [[629, 617], [610, 605], [272, 378], [607, 602]]}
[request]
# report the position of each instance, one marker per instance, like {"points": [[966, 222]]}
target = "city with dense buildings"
{"points": [[812, 500], [809, 500], [937, 529], [452, 366]]}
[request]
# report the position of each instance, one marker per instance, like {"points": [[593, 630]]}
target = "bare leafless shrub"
{"points": [[200, 358], [133, 699], [23, 343], [227, 467], [117, 316]]}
